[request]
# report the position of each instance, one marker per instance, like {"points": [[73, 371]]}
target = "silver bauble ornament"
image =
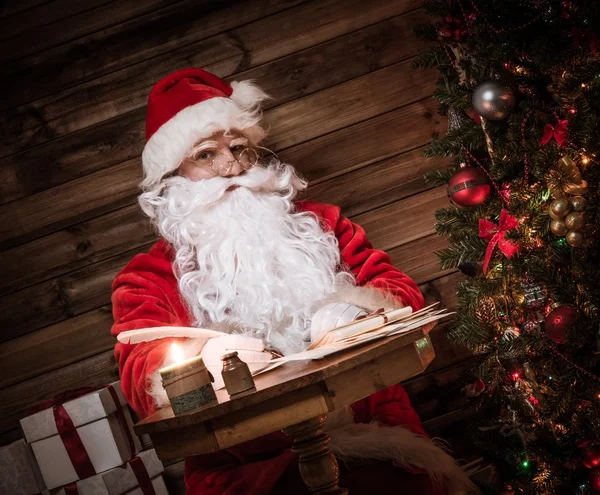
{"points": [[457, 119], [493, 101]]}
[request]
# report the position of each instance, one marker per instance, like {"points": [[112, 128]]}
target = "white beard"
{"points": [[245, 261]]}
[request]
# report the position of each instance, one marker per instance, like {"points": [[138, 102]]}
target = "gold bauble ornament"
{"points": [[574, 221], [559, 208], [558, 227], [578, 203], [574, 239]]}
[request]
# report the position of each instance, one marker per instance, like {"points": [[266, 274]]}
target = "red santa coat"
{"points": [[145, 294]]}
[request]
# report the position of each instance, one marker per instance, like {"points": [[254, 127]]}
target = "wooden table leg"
{"points": [[318, 466]]}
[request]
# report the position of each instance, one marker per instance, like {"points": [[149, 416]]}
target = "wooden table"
{"points": [[295, 398]]}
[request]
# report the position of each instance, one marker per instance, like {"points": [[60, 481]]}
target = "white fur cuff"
{"points": [[364, 297]]}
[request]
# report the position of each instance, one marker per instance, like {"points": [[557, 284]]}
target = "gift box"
{"points": [[79, 434], [19, 473], [142, 475]]}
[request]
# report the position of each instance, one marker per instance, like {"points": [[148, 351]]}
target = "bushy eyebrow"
{"points": [[240, 140], [202, 145]]}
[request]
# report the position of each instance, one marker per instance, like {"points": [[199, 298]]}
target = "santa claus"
{"points": [[241, 255]]}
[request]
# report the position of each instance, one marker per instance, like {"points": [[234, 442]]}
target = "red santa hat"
{"points": [[191, 104]]}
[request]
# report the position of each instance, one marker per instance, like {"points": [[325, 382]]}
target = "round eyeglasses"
{"points": [[221, 164]]}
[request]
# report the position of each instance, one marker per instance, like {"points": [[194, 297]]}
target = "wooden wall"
{"points": [[347, 110]]}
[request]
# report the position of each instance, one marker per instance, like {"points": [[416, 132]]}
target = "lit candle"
{"points": [[187, 382]]}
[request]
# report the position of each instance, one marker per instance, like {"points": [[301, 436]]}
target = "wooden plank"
{"points": [[367, 142], [378, 184], [58, 31], [124, 138], [80, 154], [237, 50], [43, 14], [56, 346], [60, 298], [17, 399], [128, 43], [418, 259], [440, 424], [348, 103], [8, 9], [405, 129], [81, 199], [263, 418], [74, 248], [444, 288], [387, 226], [376, 374], [285, 79]]}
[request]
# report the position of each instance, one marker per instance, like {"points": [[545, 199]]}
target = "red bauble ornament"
{"points": [[474, 389], [590, 456], [470, 186], [558, 321], [594, 479]]}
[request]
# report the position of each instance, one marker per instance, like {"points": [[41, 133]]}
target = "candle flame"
{"points": [[177, 353]]}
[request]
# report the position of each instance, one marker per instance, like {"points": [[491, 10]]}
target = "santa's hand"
{"points": [[333, 315], [249, 349]]}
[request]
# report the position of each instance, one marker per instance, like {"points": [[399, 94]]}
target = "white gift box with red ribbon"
{"points": [[142, 475], [76, 438], [19, 472]]}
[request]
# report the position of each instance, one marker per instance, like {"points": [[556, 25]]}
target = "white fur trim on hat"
{"points": [[167, 147]]}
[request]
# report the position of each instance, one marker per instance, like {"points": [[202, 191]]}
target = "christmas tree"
{"points": [[520, 83]]}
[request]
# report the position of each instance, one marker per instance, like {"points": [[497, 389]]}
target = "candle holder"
{"points": [[188, 385]]}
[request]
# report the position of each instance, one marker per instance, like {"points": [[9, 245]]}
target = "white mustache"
{"points": [[182, 196]]}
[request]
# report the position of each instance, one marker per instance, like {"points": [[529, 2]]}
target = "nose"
{"points": [[236, 169]]}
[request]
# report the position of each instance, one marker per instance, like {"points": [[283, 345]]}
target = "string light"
{"points": [[525, 463], [515, 376], [573, 111], [585, 160]]}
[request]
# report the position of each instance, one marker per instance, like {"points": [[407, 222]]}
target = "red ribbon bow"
{"points": [[559, 132], [495, 235], [453, 28]]}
